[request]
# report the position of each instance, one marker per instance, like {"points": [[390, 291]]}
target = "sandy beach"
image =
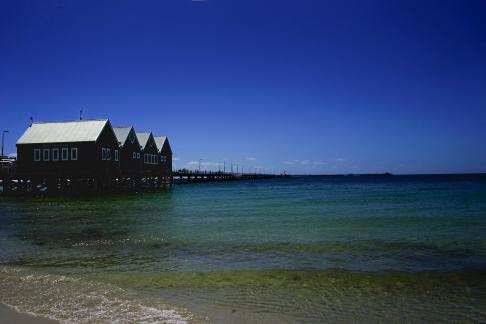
{"points": [[11, 316]]}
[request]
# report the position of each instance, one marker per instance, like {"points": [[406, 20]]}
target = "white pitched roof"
{"points": [[143, 138], [121, 133], [60, 132], [160, 140]]}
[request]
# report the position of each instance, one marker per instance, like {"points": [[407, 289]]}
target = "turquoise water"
{"points": [[304, 249]]}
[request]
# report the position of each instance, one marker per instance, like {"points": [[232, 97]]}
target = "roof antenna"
{"points": [[31, 120], [81, 114]]}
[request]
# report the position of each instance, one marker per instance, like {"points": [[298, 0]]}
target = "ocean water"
{"points": [[303, 249]]}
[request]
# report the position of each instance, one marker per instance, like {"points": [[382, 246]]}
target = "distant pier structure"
{"points": [[189, 176], [92, 156]]}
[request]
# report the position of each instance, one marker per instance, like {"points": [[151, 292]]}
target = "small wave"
{"points": [[74, 300]]}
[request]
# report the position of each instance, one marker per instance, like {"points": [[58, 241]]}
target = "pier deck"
{"points": [[211, 176], [15, 183]]}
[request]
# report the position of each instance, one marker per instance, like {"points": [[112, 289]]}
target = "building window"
{"points": [[105, 153], [64, 153], [55, 154], [116, 155], [163, 158], [47, 154], [74, 153], [134, 155], [138, 155], [37, 156], [149, 158]]}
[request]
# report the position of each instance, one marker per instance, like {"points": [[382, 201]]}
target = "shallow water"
{"points": [[308, 249]]}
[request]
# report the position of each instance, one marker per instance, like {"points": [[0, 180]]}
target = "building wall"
{"points": [[93, 158], [150, 169], [166, 167], [89, 157], [107, 140], [131, 165]]}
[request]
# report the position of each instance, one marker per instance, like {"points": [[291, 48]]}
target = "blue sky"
{"points": [[303, 86]]}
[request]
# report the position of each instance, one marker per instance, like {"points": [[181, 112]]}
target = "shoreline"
{"points": [[12, 316]]}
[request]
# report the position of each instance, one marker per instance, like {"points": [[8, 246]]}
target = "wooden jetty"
{"points": [[23, 184], [92, 156], [188, 176]]}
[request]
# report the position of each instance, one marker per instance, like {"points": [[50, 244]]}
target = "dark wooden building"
{"points": [[150, 154], [130, 151], [70, 148], [165, 155]]}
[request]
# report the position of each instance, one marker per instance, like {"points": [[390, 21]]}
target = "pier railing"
{"points": [[15, 183], [7, 166], [191, 176]]}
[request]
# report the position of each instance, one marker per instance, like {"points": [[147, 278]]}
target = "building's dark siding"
{"points": [[150, 169], [131, 165], [89, 157], [93, 159], [107, 139], [166, 167]]}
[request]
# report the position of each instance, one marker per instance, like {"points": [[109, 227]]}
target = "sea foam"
{"points": [[74, 300]]}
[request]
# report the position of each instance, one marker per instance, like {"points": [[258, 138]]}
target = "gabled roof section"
{"points": [[121, 133], [160, 141], [143, 138], [66, 131]]}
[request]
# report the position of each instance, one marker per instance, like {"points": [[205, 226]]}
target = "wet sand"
{"points": [[11, 316]]}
